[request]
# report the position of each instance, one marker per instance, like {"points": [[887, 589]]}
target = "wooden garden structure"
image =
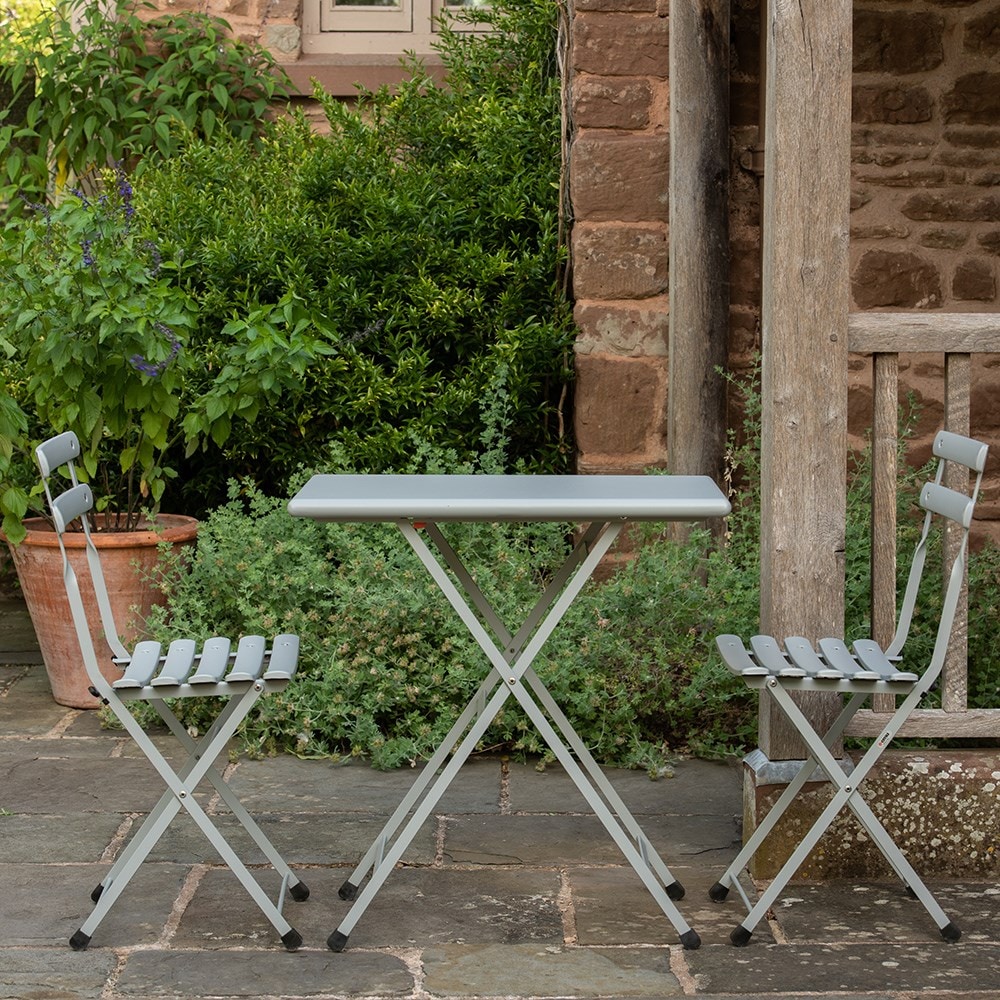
{"points": [[807, 332]]}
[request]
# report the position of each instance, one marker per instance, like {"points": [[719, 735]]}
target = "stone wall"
{"points": [[925, 206]]}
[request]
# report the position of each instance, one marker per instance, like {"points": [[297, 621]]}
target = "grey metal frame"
{"points": [[858, 673], [607, 503], [151, 675]]}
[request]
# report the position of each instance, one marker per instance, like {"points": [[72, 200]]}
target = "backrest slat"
{"points": [[68, 506], [75, 503], [57, 451], [955, 448], [954, 505], [948, 503]]}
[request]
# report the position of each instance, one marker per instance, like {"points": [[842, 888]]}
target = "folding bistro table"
{"points": [[417, 505]]}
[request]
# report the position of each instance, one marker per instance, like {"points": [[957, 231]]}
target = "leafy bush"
{"points": [[365, 289], [95, 338], [419, 238], [109, 85]]}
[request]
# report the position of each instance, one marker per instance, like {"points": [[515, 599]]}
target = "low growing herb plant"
{"points": [[386, 666]]}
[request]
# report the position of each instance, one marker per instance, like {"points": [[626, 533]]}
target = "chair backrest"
{"points": [[957, 507], [67, 507]]}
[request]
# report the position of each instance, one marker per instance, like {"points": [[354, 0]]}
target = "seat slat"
{"points": [[177, 663], [735, 656], [213, 661], [769, 654], [801, 653], [836, 653], [142, 666], [249, 659], [284, 658], [873, 658]]}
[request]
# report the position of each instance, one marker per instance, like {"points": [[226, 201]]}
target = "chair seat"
{"points": [[150, 670], [797, 660]]}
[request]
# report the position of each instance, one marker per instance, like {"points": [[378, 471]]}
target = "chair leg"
{"points": [[720, 890], [296, 887], [181, 786], [846, 794]]}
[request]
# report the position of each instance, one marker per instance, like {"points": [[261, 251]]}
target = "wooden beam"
{"points": [[932, 723], [885, 442], [699, 235], [804, 330], [912, 333], [957, 409]]}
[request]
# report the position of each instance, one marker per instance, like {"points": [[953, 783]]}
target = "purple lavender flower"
{"points": [[124, 191], [156, 368], [88, 253], [154, 253]]}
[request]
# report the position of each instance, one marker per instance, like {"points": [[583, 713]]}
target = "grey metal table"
{"points": [[418, 505]]}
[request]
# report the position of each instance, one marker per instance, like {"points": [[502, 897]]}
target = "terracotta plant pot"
{"points": [[128, 557]]}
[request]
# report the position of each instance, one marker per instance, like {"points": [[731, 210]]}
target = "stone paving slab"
{"points": [[27, 838], [416, 908], [55, 973], [776, 968], [27, 708], [579, 839], [554, 971], [44, 904], [307, 973], [19, 644], [351, 786], [697, 788], [318, 839], [612, 907], [71, 783], [883, 912]]}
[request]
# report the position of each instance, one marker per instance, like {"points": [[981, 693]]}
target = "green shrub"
{"points": [[420, 238]]}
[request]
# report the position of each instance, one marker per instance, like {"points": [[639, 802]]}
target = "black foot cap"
{"points": [[741, 936], [348, 891], [96, 894], [337, 941], [299, 892], [690, 940], [292, 940], [79, 941], [675, 891], [950, 932], [718, 893]]}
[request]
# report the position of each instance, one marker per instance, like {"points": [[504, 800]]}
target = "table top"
{"points": [[508, 498]]}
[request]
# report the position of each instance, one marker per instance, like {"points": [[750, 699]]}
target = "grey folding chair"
{"points": [[857, 672], [152, 674]]}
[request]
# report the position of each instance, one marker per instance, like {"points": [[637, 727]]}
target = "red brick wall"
{"points": [[925, 204]]}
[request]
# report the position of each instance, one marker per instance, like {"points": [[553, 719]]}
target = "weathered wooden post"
{"points": [[699, 235], [804, 331]]}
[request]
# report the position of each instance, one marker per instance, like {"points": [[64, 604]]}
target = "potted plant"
{"points": [[91, 340]]}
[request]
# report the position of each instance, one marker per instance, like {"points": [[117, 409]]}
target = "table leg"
{"points": [[510, 666]]}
